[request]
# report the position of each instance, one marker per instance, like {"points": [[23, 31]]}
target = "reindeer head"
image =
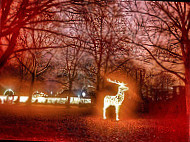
{"points": [[122, 86]]}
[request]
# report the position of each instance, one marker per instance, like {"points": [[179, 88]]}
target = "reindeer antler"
{"points": [[116, 82]]}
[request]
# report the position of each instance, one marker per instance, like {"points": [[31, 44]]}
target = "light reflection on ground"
{"points": [[59, 123]]}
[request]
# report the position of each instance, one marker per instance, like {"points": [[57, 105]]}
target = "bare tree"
{"points": [[69, 62], [161, 29], [36, 62], [16, 15], [102, 36]]}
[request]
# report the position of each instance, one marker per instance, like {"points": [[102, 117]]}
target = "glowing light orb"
{"points": [[115, 100], [83, 94]]}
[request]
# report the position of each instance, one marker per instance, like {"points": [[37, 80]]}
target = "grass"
{"points": [[59, 123]]}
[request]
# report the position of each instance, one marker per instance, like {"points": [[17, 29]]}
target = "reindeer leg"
{"points": [[117, 112], [104, 112]]}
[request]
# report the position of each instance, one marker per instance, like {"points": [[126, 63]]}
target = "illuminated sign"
{"points": [[42, 98]]}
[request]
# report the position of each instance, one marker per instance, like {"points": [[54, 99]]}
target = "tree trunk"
{"points": [[9, 50], [187, 90], [98, 82], [187, 75], [187, 93], [97, 87], [31, 89], [70, 91], [21, 80]]}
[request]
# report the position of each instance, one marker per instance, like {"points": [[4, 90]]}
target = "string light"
{"points": [[9, 90], [115, 100]]}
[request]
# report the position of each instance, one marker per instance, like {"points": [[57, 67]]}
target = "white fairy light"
{"points": [[83, 94], [115, 100], [8, 90]]}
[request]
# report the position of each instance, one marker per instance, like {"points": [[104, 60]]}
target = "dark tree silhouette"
{"points": [[98, 23], [35, 62], [69, 63], [16, 15], [162, 30]]}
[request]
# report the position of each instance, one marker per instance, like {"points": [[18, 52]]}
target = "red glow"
{"points": [[50, 123]]}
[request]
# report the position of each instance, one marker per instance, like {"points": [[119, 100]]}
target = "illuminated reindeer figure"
{"points": [[115, 100]]}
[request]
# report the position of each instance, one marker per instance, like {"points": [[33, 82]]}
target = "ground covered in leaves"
{"points": [[59, 123]]}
